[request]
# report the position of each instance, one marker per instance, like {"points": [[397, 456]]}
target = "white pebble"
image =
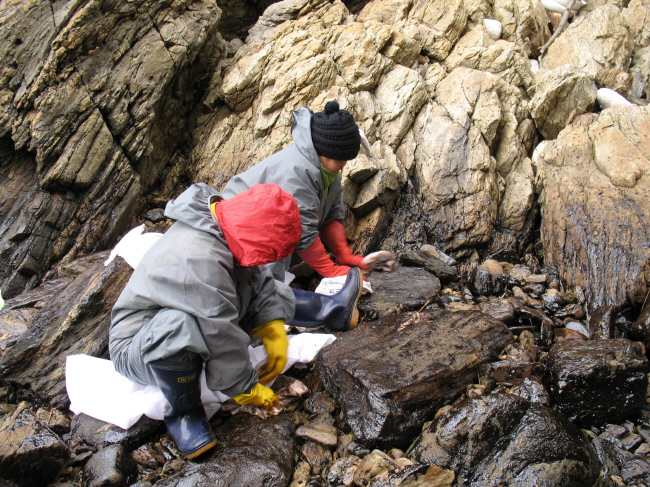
{"points": [[493, 28], [606, 98]]}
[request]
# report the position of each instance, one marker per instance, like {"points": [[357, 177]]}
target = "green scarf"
{"points": [[328, 178]]}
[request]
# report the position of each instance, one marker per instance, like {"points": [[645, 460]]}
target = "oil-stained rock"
{"points": [[99, 433], [581, 371], [502, 439], [112, 466], [418, 258], [601, 322], [250, 451], [72, 318], [390, 376], [30, 453], [593, 203], [640, 329], [404, 289]]}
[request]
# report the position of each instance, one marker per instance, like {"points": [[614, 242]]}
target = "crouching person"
{"points": [[198, 296]]}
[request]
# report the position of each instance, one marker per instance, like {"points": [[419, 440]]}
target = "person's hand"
{"points": [[276, 343], [380, 261], [261, 396]]}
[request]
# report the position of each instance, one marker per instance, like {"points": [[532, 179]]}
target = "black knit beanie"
{"points": [[334, 133]]}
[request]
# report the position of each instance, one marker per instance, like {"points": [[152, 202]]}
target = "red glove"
{"points": [[333, 235], [317, 258]]}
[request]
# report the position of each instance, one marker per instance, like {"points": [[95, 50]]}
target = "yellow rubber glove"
{"points": [[260, 396], [275, 341]]}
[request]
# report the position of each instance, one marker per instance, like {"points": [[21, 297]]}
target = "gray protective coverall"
{"points": [[187, 295], [297, 170]]}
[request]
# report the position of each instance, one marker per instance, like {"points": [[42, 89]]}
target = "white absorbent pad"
{"points": [[96, 389]]}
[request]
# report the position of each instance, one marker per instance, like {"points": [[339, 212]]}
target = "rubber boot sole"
{"points": [[202, 450], [354, 321]]}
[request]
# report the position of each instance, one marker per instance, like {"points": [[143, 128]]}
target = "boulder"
{"points": [[581, 370], [561, 94], [250, 451], [594, 204], [69, 315], [30, 453], [390, 376], [599, 44], [502, 439]]}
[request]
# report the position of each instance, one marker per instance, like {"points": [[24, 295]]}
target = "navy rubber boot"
{"points": [[338, 312], [186, 420]]}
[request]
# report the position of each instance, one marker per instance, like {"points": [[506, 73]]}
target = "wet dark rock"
{"points": [[553, 301], [404, 289], [30, 453], [501, 309], [317, 456], [640, 330], [486, 283], [601, 322], [532, 391], [341, 469], [99, 433], [251, 452], [534, 288], [603, 451], [390, 376], [320, 402], [581, 370], [112, 466], [75, 320], [155, 216], [54, 419], [510, 372], [572, 310], [418, 258], [503, 439]]}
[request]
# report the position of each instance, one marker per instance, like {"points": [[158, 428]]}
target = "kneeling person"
{"points": [[198, 296]]}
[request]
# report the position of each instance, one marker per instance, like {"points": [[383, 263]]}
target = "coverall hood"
{"points": [[261, 225]]}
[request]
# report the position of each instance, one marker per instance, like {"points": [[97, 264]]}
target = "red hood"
{"points": [[261, 224]]}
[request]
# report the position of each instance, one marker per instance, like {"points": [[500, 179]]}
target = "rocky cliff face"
{"points": [[110, 108]]}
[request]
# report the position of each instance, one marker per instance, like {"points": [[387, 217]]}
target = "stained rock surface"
{"points": [[251, 451], [390, 376], [598, 381], [505, 440]]}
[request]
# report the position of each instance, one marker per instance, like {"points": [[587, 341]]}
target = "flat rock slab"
{"points": [[30, 453], [502, 439], [68, 318], [404, 289], [390, 376], [251, 451], [598, 381]]}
